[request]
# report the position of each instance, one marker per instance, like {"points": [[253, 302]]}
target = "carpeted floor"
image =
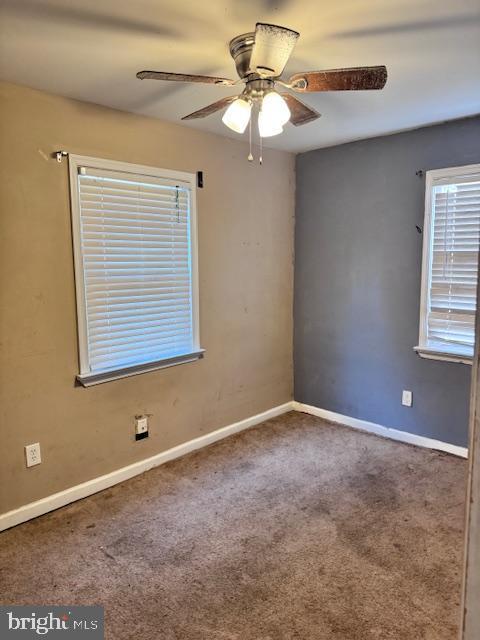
{"points": [[296, 529]]}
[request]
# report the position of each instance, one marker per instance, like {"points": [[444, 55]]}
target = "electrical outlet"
{"points": [[141, 427], [32, 454], [407, 398]]}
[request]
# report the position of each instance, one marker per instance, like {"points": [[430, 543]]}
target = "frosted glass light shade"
{"points": [[237, 115], [275, 108], [268, 127]]}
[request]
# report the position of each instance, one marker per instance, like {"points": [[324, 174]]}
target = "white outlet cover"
{"points": [[141, 425], [407, 398], [33, 454]]}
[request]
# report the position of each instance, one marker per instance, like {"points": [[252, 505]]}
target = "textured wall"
{"points": [[245, 216], [357, 281]]}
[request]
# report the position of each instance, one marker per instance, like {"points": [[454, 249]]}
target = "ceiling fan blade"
{"points": [[181, 77], [211, 108], [355, 79], [272, 49], [301, 113]]}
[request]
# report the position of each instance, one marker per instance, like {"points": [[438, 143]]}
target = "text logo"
{"points": [[27, 622]]}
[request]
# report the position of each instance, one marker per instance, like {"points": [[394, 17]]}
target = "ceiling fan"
{"points": [[260, 58]]}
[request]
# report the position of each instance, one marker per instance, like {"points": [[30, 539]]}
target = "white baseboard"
{"points": [[386, 432], [38, 508]]}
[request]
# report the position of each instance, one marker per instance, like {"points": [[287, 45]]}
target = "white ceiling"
{"points": [[91, 50]]}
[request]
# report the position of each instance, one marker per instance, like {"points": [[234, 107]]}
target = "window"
{"points": [[450, 264], [134, 232]]}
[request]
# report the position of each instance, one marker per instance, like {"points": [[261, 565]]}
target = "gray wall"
{"points": [[357, 281]]}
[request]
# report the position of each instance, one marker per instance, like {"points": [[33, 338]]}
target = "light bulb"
{"points": [[275, 108], [268, 126], [237, 115]]}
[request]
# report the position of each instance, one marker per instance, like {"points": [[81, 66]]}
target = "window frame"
{"points": [[85, 377], [423, 348]]}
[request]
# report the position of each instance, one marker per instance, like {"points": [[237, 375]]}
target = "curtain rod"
{"points": [[59, 155]]}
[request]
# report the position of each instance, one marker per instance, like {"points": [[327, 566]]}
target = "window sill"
{"points": [[90, 379], [438, 354]]}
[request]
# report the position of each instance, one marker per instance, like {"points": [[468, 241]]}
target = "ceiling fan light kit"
{"points": [[260, 58], [237, 116], [268, 127], [275, 107], [273, 114]]}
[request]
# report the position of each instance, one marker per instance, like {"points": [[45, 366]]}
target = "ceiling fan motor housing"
{"points": [[241, 51]]}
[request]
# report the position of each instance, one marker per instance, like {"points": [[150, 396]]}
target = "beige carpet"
{"points": [[297, 529]]}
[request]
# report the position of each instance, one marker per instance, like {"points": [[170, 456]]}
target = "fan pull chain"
{"points": [[260, 160], [250, 155]]}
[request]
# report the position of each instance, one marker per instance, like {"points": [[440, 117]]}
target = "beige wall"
{"points": [[245, 215]]}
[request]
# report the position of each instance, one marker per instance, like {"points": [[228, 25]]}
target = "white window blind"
{"points": [[451, 261], [134, 239]]}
